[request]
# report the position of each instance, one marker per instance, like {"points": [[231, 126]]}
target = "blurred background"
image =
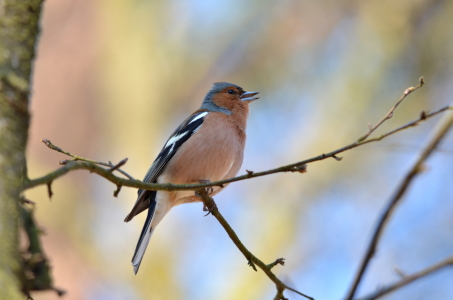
{"points": [[113, 79]]}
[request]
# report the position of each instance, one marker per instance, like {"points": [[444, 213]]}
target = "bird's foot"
{"points": [[208, 189], [211, 208]]}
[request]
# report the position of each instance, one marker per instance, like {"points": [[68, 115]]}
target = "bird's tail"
{"points": [[158, 208], [143, 241]]}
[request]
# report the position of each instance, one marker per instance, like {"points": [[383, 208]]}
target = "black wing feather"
{"points": [[184, 132], [176, 140]]}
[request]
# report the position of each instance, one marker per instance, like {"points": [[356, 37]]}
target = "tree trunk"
{"points": [[18, 35]]}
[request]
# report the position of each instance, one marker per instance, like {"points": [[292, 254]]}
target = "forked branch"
{"points": [[436, 136], [253, 261], [390, 113], [409, 278], [79, 158]]}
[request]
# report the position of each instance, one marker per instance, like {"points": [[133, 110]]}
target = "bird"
{"points": [[208, 146]]}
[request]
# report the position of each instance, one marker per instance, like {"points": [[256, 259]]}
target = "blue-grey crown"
{"points": [[209, 105]]}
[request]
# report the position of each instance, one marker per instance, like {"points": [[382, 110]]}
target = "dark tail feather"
{"points": [[141, 204], [143, 241]]}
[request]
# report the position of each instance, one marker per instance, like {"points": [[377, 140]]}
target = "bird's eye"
{"points": [[230, 91]]}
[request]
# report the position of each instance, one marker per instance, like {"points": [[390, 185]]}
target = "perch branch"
{"points": [[253, 261], [436, 136], [295, 167], [409, 278]]}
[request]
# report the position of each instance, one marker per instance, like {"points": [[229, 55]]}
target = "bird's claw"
{"points": [[208, 189], [211, 208]]}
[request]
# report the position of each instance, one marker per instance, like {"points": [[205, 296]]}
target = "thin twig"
{"points": [[118, 165], [409, 278], [76, 158], [398, 271], [390, 113], [436, 136], [117, 191], [252, 259], [298, 166], [24, 200], [49, 189], [297, 292], [278, 261]]}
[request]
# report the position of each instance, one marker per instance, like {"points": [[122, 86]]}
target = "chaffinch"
{"points": [[207, 146]]}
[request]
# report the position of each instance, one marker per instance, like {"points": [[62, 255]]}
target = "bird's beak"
{"points": [[248, 96]]}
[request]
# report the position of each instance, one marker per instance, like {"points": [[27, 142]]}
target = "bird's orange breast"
{"points": [[214, 152]]}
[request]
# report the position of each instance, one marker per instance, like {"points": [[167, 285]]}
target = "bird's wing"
{"points": [[176, 140], [173, 144]]}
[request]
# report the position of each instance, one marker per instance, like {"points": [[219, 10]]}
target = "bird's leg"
{"points": [[211, 207]]}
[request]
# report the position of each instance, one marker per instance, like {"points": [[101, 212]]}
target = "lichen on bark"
{"points": [[19, 29]]}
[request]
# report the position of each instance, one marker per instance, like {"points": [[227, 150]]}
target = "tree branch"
{"points": [[300, 166], [390, 113], [437, 135], [253, 261], [295, 167], [19, 30], [64, 162], [410, 278], [36, 265]]}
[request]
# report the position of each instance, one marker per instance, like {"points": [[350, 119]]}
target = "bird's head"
{"points": [[225, 97]]}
